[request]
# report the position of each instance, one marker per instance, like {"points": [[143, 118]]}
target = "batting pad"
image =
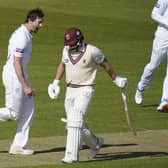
{"points": [[74, 124], [73, 143], [88, 137]]}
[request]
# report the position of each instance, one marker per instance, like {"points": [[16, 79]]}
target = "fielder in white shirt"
{"points": [[18, 92], [79, 62], [159, 53]]}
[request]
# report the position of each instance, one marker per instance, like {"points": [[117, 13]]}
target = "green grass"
{"points": [[138, 163], [124, 31]]}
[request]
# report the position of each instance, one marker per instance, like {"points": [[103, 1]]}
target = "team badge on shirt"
{"points": [[66, 61], [19, 50]]}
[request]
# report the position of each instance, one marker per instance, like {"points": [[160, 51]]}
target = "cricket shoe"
{"points": [[163, 106], [139, 96], [68, 161], [15, 150], [95, 151]]}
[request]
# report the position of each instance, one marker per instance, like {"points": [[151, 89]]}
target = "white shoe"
{"points": [[138, 96], [18, 150], [163, 106], [94, 152], [68, 161]]}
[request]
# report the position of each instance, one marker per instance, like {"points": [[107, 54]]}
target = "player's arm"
{"points": [[100, 59], [19, 72], [107, 67], [54, 88], [158, 11], [118, 80], [60, 71]]}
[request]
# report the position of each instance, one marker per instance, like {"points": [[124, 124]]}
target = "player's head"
{"points": [[73, 37], [33, 14], [35, 19]]}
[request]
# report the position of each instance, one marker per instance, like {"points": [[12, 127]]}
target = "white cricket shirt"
{"points": [[81, 70], [20, 45]]}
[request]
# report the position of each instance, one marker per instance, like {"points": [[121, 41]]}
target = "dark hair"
{"points": [[33, 14]]}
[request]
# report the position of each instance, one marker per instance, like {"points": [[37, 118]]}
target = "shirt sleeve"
{"points": [[64, 53], [19, 46], [97, 55], [158, 12]]}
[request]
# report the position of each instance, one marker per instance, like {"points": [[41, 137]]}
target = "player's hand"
{"points": [[29, 91], [121, 81], [54, 89]]}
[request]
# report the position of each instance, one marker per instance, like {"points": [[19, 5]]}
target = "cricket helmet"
{"points": [[72, 36]]}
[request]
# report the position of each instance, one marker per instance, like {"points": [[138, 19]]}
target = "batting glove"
{"points": [[54, 89], [120, 81]]}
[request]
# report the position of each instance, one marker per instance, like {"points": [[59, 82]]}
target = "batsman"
{"points": [[79, 63]]}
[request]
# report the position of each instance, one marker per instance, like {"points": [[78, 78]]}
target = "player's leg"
{"points": [[73, 142], [24, 105], [13, 95], [76, 104], [157, 56], [163, 106], [88, 136], [23, 127], [91, 140], [73, 126]]}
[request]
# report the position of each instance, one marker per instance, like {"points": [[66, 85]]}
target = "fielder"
{"points": [[159, 53], [18, 92], [79, 63]]}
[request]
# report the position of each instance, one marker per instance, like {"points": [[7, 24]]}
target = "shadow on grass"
{"points": [[149, 105], [62, 149], [126, 155], [58, 149], [108, 156], [155, 106]]}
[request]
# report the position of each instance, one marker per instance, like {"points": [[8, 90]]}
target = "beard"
{"points": [[36, 30]]}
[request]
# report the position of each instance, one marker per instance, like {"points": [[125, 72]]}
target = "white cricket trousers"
{"points": [[76, 104], [18, 106], [159, 53]]}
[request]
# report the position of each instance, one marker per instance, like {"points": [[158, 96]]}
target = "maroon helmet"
{"points": [[72, 36]]}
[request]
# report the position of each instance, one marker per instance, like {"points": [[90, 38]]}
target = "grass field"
{"points": [[124, 31]]}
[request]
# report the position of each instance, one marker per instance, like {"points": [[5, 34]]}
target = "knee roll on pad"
{"points": [[75, 118], [74, 124]]}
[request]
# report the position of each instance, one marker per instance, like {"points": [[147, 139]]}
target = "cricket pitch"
{"points": [[50, 150]]}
